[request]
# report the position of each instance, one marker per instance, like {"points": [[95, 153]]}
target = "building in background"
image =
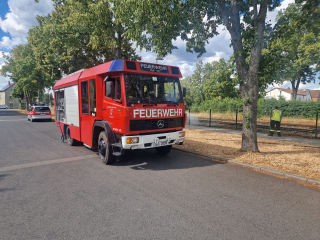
{"points": [[287, 93], [315, 95], [6, 96]]}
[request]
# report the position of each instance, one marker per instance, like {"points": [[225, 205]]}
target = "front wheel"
{"points": [[104, 149], [164, 150], [71, 141]]}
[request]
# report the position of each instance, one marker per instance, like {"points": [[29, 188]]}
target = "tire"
{"points": [[71, 141], [164, 150], [104, 149]]}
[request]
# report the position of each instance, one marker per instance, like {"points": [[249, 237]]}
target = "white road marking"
{"points": [[25, 119], [43, 163]]}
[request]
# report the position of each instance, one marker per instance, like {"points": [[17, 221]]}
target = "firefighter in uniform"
{"points": [[275, 120]]}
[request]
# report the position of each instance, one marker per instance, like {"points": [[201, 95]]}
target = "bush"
{"points": [[297, 109]]}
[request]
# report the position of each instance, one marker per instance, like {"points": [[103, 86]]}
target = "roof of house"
{"points": [[303, 92], [315, 93], [7, 87]]}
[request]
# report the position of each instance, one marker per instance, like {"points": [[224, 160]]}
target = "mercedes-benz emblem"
{"points": [[160, 124]]}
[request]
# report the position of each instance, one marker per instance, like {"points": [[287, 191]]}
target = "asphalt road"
{"points": [[50, 190]]}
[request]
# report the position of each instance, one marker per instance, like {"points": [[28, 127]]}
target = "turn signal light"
{"points": [[182, 134], [132, 140]]}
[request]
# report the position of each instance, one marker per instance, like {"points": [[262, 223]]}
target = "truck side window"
{"points": [[110, 88], [92, 96], [84, 97], [118, 89]]}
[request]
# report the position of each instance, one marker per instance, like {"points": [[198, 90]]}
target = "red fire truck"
{"points": [[121, 105]]}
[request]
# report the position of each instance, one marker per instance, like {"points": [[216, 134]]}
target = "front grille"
{"points": [[152, 124]]}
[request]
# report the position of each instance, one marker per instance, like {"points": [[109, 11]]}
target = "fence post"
{"points": [[236, 118], [210, 119], [317, 124], [189, 116]]}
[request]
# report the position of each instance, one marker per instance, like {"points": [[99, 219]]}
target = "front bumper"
{"points": [[153, 140]]}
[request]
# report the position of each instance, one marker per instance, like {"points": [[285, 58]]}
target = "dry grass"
{"points": [[262, 119], [298, 159]]}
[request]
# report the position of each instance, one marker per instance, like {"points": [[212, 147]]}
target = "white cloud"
{"points": [[20, 18], [271, 16], [9, 43], [3, 80], [186, 69]]}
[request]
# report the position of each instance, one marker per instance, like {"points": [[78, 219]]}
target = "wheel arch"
{"points": [[100, 126]]}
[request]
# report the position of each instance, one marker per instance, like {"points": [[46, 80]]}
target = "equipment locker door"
{"points": [[86, 135]]}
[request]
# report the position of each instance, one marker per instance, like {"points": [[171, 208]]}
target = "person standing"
{"points": [[276, 118]]}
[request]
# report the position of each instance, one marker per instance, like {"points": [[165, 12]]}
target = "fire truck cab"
{"points": [[121, 105]]}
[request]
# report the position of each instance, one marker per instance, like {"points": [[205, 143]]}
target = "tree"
{"points": [[210, 80], [310, 14], [195, 84], [157, 23], [80, 34], [220, 83], [20, 66], [296, 48]]}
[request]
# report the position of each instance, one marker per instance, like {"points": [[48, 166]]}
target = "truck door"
{"points": [[87, 109], [112, 103]]}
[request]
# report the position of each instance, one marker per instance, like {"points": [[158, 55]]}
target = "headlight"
{"points": [[182, 134], [132, 140]]}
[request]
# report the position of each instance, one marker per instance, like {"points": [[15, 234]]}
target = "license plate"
{"points": [[42, 114], [160, 144]]}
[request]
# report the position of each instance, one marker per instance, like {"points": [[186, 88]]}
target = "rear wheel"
{"points": [[71, 141], [104, 149], [164, 150]]}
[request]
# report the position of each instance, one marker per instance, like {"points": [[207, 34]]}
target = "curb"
{"points": [[274, 172]]}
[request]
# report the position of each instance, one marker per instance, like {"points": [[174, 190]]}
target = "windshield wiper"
{"points": [[149, 103], [172, 102], [152, 102]]}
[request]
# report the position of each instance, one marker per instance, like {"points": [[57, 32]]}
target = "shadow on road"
{"points": [[7, 112], [150, 160], [2, 176]]}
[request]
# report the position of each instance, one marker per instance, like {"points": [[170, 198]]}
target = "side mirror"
{"points": [[184, 92]]}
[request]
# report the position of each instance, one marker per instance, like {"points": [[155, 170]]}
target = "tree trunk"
{"points": [[27, 100], [39, 90], [295, 86], [249, 93], [117, 50], [248, 73]]}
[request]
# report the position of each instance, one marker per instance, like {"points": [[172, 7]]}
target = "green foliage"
{"points": [[307, 109], [209, 81], [292, 54], [80, 34]]}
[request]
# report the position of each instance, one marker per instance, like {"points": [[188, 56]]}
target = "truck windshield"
{"points": [[152, 89]]}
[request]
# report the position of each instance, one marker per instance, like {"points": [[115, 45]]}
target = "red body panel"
{"points": [[68, 81], [75, 132], [117, 113]]}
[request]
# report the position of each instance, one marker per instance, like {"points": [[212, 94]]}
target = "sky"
{"points": [[17, 16]]}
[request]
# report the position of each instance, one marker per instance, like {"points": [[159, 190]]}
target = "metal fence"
{"points": [[298, 127]]}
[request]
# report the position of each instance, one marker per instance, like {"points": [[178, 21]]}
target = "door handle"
{"points": [[104, 109]]}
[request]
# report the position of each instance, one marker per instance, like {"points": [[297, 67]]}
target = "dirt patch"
{"points": [[295, 158]]}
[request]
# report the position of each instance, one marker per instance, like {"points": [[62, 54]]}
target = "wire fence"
{"points": [[297, 126]]}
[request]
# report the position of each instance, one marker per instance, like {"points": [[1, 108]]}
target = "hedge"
{"points": [[307, 109]]}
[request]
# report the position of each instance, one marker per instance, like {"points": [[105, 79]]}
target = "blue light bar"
{"points": [[117, 65]]}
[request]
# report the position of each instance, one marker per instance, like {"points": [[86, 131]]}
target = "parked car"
{"points": [[3, 107], [39, 113]]}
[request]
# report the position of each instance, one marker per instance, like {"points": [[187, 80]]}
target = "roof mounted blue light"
{"points": [[117, 65]]}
